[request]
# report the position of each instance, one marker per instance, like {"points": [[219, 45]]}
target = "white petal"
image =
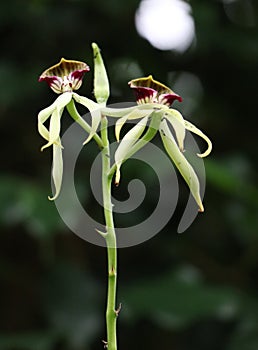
{"points": [[181, 163]]}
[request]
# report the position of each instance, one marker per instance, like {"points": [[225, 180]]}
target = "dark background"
{"points": [[196, 290]]}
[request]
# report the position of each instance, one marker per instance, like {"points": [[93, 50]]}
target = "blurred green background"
{"points": [[196, 290]]}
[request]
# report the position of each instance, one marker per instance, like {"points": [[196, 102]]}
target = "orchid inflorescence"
{"points": [[153, 110]]}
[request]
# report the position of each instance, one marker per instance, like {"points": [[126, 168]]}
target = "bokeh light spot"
{"points": [[166, 24]]}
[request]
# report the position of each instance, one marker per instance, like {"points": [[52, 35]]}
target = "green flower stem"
{"points": [[76, 116], [110, 236]]}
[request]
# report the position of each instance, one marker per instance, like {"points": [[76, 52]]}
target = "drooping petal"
{"points": [[126, 144], [54, 129], [189, 126], [96, 119], [57, 169], [95, 112], [134, 114], [88, 103], [56, 109], [119, 124], [42, 117], [181, 163], [177, 121], [155, 119]]}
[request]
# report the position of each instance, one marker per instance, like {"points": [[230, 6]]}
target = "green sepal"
{"points": [[54, 111], [134, 114], [126, 144], [95, 112], [189, 126], [121, 112], [177, 121], [181, 163], [57, 169]]}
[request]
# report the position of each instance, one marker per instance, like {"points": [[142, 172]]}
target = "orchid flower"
{"points": [[63, 78], [154, 101]]}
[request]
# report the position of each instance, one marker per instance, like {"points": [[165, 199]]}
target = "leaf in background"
{"points": [[25, 203], [72, 301], [179, 299]]}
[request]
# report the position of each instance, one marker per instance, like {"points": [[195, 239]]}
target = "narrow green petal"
{"points": [[54, 128], [178, 123], [43, 131], [119, 124], [189, 126], [43, 115], [96, 119], [143, 109], [117, 112], [95, 112], [134, 114], [88, 103], [181, 163], [126, 144], [57, 169], [63, 100], [101, 83]]}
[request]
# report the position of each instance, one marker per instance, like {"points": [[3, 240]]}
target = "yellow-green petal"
{"points": [[54, 128], [55, 108], [121, 112], [95, 112], [57, 169], [134, 114], [42, 117], [119, 124], [177, 121], [181, 163], [88, 103], [189, 126], [126, 144]]}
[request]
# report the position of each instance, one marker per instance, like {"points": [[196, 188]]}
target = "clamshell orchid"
{"points": [[154, 106], [63, 78]]}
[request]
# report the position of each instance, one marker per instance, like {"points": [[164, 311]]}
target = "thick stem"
{"points": [[111, 313]]}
